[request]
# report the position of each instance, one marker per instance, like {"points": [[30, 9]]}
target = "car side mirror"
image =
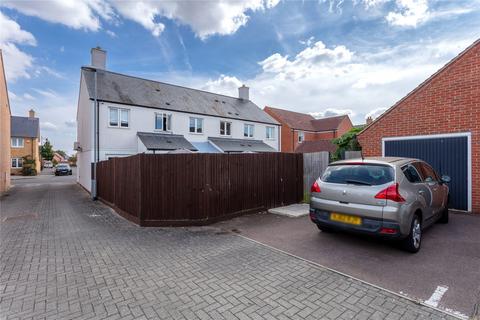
{"points": [[446, 179]]}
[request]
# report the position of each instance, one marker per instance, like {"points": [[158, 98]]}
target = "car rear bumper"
{"points": [[371, 226]]}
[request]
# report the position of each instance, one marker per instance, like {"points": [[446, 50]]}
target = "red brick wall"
{"points": [[449, 102]]}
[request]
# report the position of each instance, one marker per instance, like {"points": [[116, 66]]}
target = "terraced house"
{"points": [[25, 141], [120, 115]]}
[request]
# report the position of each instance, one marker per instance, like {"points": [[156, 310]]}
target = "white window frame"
{"points": [[119, 117], [225, 131], [272, 136], [445, 135], [248, 130], [16, 163], [301, 136], [17, 145], [163, 115], [198, 124]]}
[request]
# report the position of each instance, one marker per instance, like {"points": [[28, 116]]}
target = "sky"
{"points": [[323, 57]]}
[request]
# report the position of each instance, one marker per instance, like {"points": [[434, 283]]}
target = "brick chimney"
{"points": [[243, 93], [31, 114], [99, 58], [369, 120]]}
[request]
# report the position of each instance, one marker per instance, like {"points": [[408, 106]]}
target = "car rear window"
{"points": [[362, 174]]}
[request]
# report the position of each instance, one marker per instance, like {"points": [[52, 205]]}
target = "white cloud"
{"points": [[410, 13], [204, 18], [224, 85], [28, 96], [77, 14], [48, 126], [111, 33], [17, 62], [49, 93], [71, 123], [354, 83], [332, 112], [375, 113], [313, 59]]}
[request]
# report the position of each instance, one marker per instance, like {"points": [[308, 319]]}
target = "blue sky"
{"points": [[322, 57]]}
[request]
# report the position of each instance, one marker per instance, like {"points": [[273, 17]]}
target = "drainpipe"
{"points": [[95, 136]]}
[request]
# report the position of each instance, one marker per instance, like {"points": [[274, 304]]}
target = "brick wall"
{"points": [[4, 132], [30, 148], [448, 102]]}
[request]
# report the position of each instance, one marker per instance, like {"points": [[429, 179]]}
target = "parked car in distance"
{"points": [[47, 164], [390, 197], [63, 169]]}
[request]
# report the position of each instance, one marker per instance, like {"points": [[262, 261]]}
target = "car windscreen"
{"points": [[361, 174], [62, 167]]}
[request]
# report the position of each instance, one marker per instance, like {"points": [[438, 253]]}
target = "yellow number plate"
{"points": [[345, 218]]}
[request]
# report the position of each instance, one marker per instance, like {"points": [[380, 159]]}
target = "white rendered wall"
{"points": [[116, 141], [84, 136]]}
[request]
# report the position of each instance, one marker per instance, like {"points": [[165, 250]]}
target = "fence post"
{"points": [[141, 217]]}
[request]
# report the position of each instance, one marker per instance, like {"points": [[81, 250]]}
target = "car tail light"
{"points": [[315, 187], [390, 193], [388, 230]]}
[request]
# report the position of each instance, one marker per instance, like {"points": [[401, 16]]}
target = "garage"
{"points": [[438, 122], [449, 154]]}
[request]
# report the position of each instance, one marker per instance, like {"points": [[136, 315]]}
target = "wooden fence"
{"points": [[314, 164], [194, 189]]}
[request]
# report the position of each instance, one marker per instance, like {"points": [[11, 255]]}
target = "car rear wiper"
{"points": [[358, 182]]}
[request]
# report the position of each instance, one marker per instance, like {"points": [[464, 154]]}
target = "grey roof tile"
{"points": [[120, 88], [25, 127], [160, 141], [241, 145]]}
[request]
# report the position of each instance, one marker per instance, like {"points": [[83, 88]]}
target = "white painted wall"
{"points": [[123, 141], [84, 136]]}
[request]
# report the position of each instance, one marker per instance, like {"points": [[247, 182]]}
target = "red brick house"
{"points": [[439, 122], [300, 132]]}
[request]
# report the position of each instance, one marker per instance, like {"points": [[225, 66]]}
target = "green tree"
{"points": [[347, 142], [73, 160], [46, 150]]}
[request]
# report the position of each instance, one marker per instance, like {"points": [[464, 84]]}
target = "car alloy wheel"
{"points": [[416, 233]]}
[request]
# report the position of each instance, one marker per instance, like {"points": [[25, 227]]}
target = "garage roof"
{"points": [[159, 141], [240, 145]]}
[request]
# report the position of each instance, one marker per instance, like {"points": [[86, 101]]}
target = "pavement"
{"points": [[294, 210], [444, 274], [67, 257]]}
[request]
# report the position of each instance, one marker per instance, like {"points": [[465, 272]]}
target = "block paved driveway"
{"points": [[66, 257]]}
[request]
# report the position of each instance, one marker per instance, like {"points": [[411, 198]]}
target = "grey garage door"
{"points": [[448, 156]]}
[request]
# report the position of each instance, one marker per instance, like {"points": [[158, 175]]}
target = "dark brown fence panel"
{"points": [[183, 189]]}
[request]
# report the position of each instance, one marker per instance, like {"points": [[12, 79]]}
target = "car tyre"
{"points": [[325, 229], [444, 215], [413, 241]]}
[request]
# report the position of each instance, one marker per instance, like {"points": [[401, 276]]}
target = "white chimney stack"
{"points": [[99, 58], [243, 93]]}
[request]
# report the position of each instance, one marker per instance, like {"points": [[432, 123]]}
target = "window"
{"points": [[118, 117], [301, 136], [17, 162], [17, 142], [163, 121], [248, 130], [225, 128], [370, 175], [196, 125], [411, 174], [429, 174], [270, 134]]}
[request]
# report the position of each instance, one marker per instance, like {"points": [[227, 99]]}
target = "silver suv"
{"points": [[390, 197]]}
